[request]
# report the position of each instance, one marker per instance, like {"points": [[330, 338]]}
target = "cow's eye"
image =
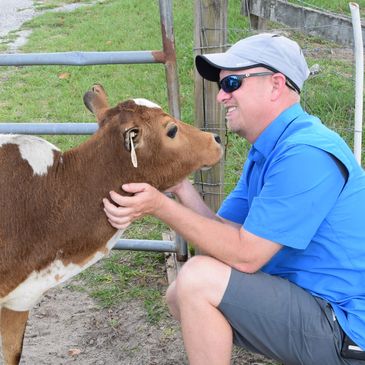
{"points": [[172, 132]]}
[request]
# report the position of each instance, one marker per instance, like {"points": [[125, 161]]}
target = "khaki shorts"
{"points": [[280, 320]]}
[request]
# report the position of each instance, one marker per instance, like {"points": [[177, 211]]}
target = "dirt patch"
{"points": [[68, 327]]}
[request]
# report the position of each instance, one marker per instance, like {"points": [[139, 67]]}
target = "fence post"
{"points": [[359, 81], [168, 42], [256, 22], [210, 37]]}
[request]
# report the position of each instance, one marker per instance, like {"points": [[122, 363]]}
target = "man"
{"points": [[284, 273]]}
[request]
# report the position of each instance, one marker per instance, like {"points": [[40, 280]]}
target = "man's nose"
{"points": [[222, 96]]}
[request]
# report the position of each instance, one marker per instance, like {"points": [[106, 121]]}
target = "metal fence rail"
{"points": [[82, 58], [49, 128]]}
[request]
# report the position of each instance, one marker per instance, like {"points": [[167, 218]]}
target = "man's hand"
{"points": [[146, 200]]}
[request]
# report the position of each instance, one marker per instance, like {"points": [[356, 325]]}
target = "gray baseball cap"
{"points": [[273, 51]]}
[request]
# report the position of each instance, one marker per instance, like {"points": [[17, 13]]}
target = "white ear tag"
{"points": [[133, 150]]}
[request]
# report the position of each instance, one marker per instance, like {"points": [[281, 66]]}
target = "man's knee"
{"points": [[193, 275], [202, 277]]}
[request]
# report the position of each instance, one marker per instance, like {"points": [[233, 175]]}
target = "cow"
{"points": [[52, 224]]}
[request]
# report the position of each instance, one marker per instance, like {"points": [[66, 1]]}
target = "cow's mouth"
{"points": [[205, 168]]}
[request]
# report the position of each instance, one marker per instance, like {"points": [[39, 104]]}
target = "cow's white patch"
{"points": [[27, 294], [113, 241], [36, 151], [145, 102]]}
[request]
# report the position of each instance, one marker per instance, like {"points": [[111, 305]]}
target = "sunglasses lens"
{"points": [[230, 83]]}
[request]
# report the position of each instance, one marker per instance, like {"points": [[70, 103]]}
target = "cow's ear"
{"points": [[96, 101], [131, 138]]}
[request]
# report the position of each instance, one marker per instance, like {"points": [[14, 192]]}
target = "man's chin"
{"points": [[231, 126]]}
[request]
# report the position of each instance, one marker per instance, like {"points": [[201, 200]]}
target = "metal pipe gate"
{"points": [[167, 56]]}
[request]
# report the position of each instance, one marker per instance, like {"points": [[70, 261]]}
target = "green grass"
{"points": [[51, 98], [54, 94], [52, 4], [125, 276]]}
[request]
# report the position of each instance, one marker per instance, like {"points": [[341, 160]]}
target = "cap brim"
{"points": [[210, 65]]}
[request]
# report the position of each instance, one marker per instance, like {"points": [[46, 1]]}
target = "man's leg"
{"points": [[193, 299], [280, 320], [267, 314]]}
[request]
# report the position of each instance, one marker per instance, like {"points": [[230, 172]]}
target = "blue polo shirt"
{"points": [[302, 187]]}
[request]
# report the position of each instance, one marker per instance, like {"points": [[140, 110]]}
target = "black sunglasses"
{"points": [[233, 82]]}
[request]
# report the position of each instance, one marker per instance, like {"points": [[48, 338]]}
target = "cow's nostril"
{"points": [[217, 139]]}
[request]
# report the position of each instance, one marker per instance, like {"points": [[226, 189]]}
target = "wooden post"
{"points": [[258, 23], [210, 37]]}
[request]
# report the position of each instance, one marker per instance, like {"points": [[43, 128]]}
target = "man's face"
{"points": [[246, 107]]}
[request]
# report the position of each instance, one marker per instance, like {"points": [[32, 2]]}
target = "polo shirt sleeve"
{"points": [[235, 207], [301, 185]]}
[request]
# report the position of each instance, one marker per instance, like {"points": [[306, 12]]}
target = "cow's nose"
{"points": [[217, 139]]}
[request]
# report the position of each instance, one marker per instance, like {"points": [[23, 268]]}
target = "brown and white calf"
{"points": [[52, 224]]}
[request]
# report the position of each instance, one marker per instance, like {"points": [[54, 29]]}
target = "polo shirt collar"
{"points": [[267, 140]]}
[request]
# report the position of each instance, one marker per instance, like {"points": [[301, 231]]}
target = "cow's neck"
{"points": [[97, 164], [84, 176]]}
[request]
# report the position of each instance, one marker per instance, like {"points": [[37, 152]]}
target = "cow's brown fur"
{"points": [[59, 215]]}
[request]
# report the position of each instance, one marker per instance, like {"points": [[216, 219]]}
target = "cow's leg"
{"points": [[12, 327]]}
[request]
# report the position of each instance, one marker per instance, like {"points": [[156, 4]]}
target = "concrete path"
{"points": [[13, 13]]}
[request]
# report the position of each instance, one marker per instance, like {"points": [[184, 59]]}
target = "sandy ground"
{"points": [[68, 327]]}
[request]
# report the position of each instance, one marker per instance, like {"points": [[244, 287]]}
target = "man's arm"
{"points": [[228, 243], [190, 198]]}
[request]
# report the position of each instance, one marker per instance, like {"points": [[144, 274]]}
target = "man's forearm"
{"points": [[190, 198], [212, 236]]}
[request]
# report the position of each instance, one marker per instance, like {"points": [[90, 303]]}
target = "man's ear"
{"points": [[278, 85]]}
